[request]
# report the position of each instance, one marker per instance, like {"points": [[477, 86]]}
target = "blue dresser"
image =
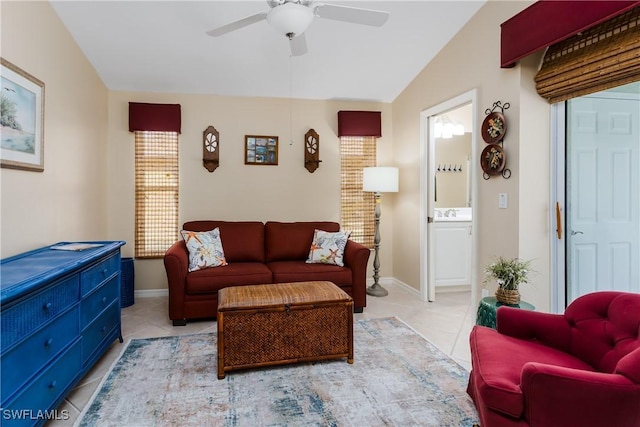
{"points": [[59, 312]]}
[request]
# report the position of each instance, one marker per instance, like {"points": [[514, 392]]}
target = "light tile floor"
{"points": [[446, 322]]}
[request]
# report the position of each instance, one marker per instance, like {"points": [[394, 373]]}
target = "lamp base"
{"points": [[377, 291]]}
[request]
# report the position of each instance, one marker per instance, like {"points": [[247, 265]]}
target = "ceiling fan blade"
{"points": [[355, 15], [298, 45], [236, 25]]}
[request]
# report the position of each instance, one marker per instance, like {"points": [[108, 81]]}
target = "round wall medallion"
{"points": [[493, 159], [494, 127]]}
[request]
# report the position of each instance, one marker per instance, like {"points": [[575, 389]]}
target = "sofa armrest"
{"points": [[629, 366], [176, 264], [356, 257], [550, 329], [559, 396]]}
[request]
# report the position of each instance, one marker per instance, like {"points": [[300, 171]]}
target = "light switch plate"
{"points": [[503, 201]]}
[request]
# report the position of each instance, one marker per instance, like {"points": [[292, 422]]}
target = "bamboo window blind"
{"points": [[604, 56], [156, 190], [357, 206]]}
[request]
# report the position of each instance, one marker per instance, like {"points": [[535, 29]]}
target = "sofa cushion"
{"points": [[328, 248], [243, 241], [286, 241], [497, 365], [205, 249], [211, 280], [300, 271]]}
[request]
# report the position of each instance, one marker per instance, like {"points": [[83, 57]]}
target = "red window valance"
{"points": [[547, 22], [360, 123], [154, 117]]}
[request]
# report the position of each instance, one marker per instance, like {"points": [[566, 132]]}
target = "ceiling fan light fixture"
{"points": [[290, 18]]}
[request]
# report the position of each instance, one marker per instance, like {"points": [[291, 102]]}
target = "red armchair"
{"points": [[580, 368]]}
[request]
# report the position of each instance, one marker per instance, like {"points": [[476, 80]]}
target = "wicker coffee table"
{"points": [[263, 325]]}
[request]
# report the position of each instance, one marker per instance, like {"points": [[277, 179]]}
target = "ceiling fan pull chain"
{"points": [[290, 99]]}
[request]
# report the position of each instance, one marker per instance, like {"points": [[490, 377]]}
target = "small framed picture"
{"points": [[22, 140], [260, 150]]}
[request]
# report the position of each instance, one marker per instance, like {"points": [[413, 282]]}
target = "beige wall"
{"points": [[471, 61], [86, 190], [235, 191], [68, 200]]}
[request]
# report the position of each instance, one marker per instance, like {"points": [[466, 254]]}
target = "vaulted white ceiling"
{"points": [[162, 46]]}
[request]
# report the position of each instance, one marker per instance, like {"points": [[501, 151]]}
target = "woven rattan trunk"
{"points": [[262, 325]]}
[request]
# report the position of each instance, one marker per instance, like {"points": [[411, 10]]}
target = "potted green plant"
{"points": [[509, 274]]}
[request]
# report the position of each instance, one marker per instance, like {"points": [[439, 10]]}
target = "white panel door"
{"points": [[603, 194]]}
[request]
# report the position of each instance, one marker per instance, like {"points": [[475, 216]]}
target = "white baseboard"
{"points": [[150, 293], [384, 281], [392, 281]]}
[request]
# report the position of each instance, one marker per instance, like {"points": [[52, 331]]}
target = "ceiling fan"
{"points": [[293, 17]]}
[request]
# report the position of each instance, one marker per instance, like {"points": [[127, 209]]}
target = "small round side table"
{"points": [[488, 307]]}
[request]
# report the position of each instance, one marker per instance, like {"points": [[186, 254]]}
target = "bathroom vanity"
{"points": [[452, 241]]}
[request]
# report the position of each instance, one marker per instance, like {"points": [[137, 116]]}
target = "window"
{"points": [[156, 164], [357, 206], [602, 57]]}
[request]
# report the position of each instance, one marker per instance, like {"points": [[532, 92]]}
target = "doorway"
{"points": [[448, 188], [600, 192]]}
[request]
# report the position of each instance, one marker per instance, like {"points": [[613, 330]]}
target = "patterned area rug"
{"points": [[398, 379]]}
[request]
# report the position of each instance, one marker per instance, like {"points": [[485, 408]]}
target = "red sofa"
{"points": [[580, 368], [258, 253]]}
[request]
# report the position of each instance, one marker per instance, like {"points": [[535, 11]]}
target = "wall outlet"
{"points": [[485, 293], [503, 201]]}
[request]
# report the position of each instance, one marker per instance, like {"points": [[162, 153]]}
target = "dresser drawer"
{"points": [[47, 388], [98, 300], [95, 275], [23, 361], [99, 329], [28, 315]]}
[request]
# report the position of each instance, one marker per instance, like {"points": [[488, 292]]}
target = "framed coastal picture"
{"points": [[21, 119], [260, 150]]}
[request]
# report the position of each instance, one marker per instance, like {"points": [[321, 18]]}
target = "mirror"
{"points": [[452, 158]]}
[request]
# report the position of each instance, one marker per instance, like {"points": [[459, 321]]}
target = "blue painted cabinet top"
{"points": [[23, 273]]}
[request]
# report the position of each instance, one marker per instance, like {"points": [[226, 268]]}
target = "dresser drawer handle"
{"points": [[104, 300], [53, 384], [104, 272], [48, 342], [47, 306], [103, 329]]}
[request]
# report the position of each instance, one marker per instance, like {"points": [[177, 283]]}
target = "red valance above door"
{"points": [[547, 22]]}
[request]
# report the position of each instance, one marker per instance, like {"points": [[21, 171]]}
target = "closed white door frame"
{"points": [[557, 214], [427, 200]]}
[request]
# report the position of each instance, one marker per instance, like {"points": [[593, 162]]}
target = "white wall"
{"points": [[235, 191], [68, 200]]}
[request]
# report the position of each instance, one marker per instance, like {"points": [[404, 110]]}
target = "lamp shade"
{"points": [[380, 179]]}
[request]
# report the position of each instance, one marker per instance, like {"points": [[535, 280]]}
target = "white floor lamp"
{"points": [[378, 180]]}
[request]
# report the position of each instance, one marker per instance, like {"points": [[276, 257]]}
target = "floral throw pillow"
{"points": [[205, 249], [328, 248]]}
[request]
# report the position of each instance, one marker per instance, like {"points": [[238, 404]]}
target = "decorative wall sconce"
{"points": [[311, 150], [210, 148], [493, 159]]}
